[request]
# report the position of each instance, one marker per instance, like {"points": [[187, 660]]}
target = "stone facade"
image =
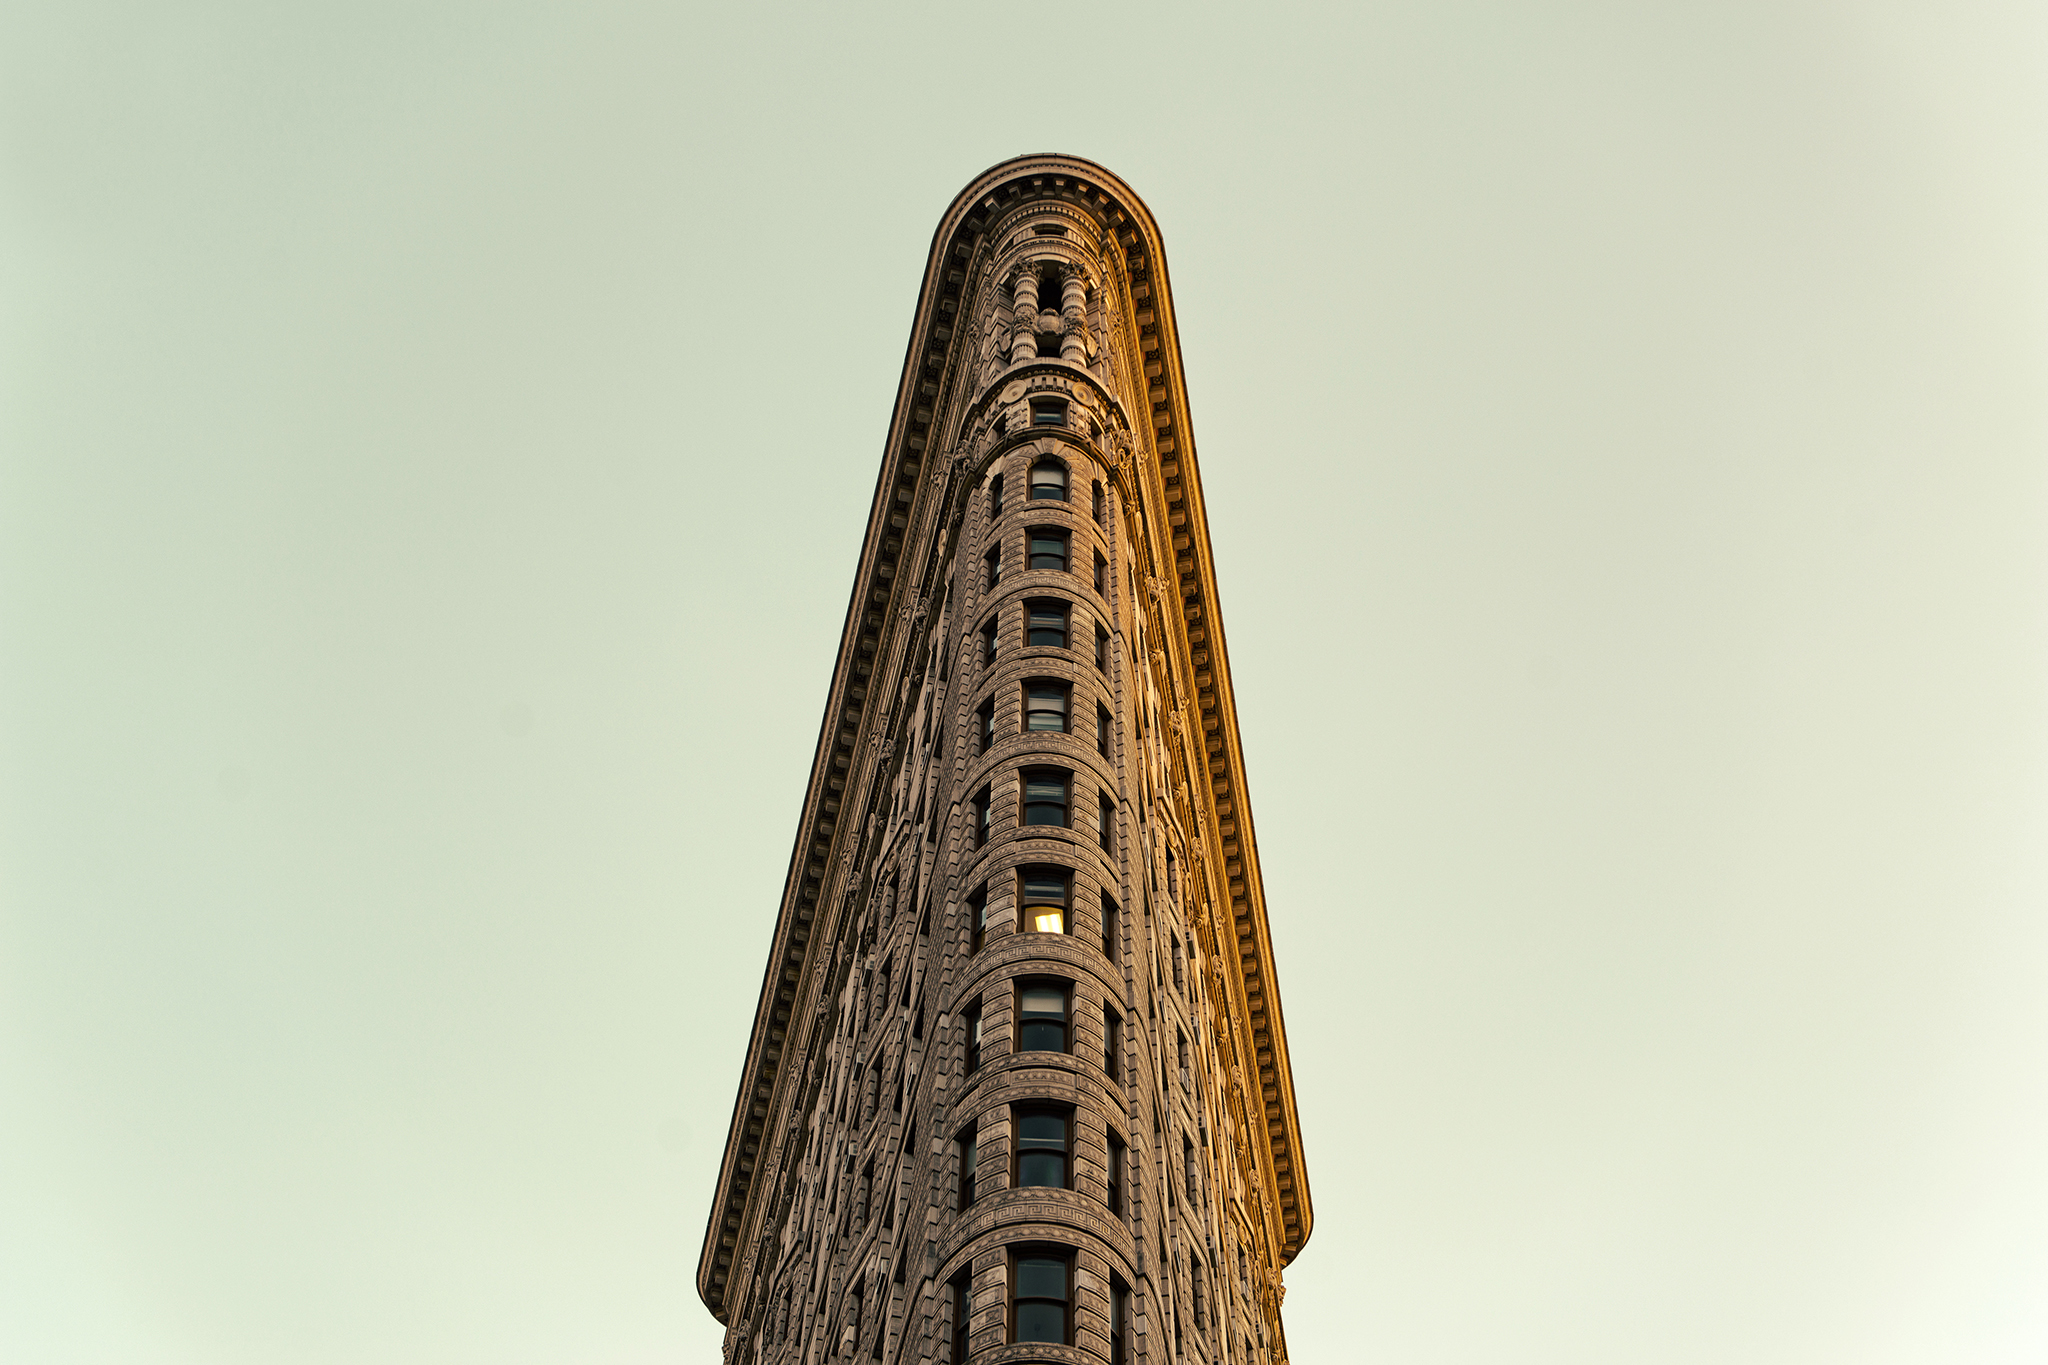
{"points": [[1017, 1088]]}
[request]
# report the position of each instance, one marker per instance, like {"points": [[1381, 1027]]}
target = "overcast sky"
{"points": [[434, 444]]}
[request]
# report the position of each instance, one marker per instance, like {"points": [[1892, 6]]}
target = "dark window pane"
{"points": [[1041, 888], [1041, 1278], [1041, 1322], [1048, 550], [1042, 1037], [1041, 1130], [1042, 1168]]}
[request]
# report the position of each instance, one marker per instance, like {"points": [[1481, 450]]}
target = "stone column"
{"points": [[1074, 318], [1024, 340]]}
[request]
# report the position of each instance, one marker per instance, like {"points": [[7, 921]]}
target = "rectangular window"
{"points": [[1043, 896], [1045, 796], [963, 1306], [977, 919], [1102, 730], [981, 818], [1045, 1147], [1188, 1155], [1115, 1190], [988, 643], [1109, 929], [970, 1020], [1101, 649], [1045, 705], [985, 725], [1112, 1043], [1048, 412], [1101, 575], [1047, 548], [993, 561], [1045, 624], [995, 497], [1041, 1297], [1105, 820], [1048, 481], [1120, 1324], [1099, 506], [1042, 1024], [964, 1147]]}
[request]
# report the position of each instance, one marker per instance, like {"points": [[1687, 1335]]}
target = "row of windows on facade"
{"points": [[1044, 798], [1048, 709], [1049, 479], [1046, 549], [1048, 624], [1039, 1298]]}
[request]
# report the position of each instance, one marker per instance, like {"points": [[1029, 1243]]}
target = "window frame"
{"points": [[1049, 412], [1040, 1252], [970, 1037], [1037, 535], [1041, 1109], [981, 815], [1025, 903], [977, 918], [1115, 1172], [1033, 484], [1043, 777], [1044, 606], [1066, 991], [985, 726], [967, 1153], [1105, 822], [962, 1286], [1048, 687], [993, 561]]}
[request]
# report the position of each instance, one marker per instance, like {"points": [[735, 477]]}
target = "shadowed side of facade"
{"points": [[1017, 1087]]}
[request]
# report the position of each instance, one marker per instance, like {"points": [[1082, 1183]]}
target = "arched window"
{"points": [[1049, 481]]}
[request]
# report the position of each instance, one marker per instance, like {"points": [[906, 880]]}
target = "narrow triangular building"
{"points": [[1017, 1088]]}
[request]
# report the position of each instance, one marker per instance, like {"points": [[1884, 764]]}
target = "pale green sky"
{"points": [[434, 441]]}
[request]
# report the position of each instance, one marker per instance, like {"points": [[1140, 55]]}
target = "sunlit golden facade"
{"points": [[1017, 1087]]}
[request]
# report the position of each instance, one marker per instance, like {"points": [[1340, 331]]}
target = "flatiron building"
{"points": [[1017, 1088]]}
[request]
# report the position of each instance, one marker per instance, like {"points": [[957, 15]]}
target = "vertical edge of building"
{"points": [[1008, 652]]}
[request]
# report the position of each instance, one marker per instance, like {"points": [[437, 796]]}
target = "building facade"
{"points": [[1017, 1088]]}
